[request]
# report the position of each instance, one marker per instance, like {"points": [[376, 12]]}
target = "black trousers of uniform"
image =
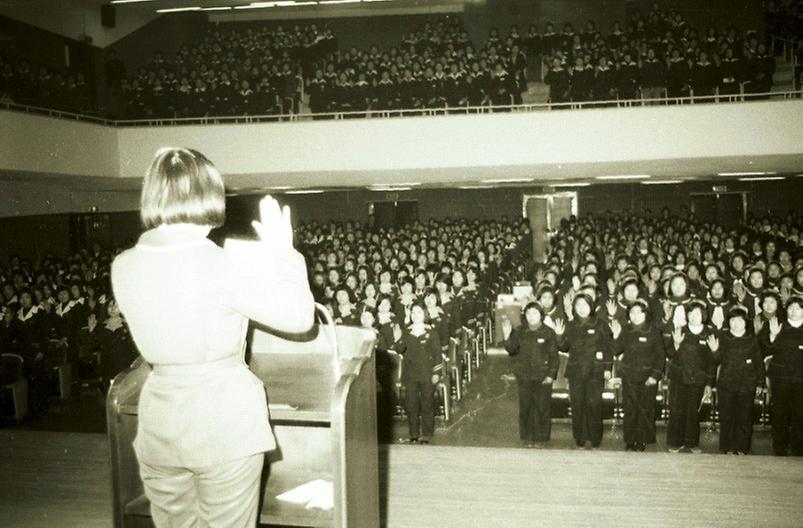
{"points": [[735, 419], [535, 410], [786, 407], [639, 409], [684, 414], [585, 396], [420, 405]]}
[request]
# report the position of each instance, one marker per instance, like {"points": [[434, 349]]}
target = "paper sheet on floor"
{"points": [[314, 494]]}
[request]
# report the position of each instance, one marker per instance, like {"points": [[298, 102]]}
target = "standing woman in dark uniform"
{"points": [[641, 344], [187, 304], [740, 381], [421, 348], [785, 345], [534, 347], [588, 341], [691, 375]]}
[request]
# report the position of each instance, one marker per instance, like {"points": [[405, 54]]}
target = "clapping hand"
{"points": [[738, 289], [274, 226], [397, 332], [559, 327]]}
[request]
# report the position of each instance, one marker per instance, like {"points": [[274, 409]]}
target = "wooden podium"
{"points": [[322, 401]]}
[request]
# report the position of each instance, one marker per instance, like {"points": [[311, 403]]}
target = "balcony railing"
{"points": [[395, 113]]}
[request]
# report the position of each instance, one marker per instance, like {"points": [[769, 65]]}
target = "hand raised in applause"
{"points": [[559, 327], [397, 332], [274, 226], [611, 307], [507, 328]]}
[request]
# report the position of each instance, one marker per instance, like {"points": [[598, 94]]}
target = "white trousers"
{"points": [[220, 496]]}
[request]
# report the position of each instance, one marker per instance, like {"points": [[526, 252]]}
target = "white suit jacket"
{"points": [[188, 302]]}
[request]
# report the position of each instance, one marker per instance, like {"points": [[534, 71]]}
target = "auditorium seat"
{"points": [[15, 387]]}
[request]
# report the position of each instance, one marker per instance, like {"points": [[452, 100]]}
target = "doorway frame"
{"points": [[715, 193]]}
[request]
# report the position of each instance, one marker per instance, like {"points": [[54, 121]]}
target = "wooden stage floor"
{"points": [[62, 480]]}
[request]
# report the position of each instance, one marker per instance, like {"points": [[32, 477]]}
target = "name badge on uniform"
{"points": [[591, 331], [749, 361], [540, 339], [599, 356], [642, 339]]}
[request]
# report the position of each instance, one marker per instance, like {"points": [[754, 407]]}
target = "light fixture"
{"points": [[305, 191], [569, 184], [471, 187], [380, 188], [281, 188], [624, 177], [762, 178], [744, 173], [178, 9], [661, 182], [129, 1], [508, 180], [326, 2], [218, 8]]}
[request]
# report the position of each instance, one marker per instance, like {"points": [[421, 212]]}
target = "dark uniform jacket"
{"points": [[692, 363], [741, 363], [421, 354], [535, 352], [588, 343], [643, 352], [787, 354]]}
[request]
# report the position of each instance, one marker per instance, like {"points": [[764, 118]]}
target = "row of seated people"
{"points": [[382, 279], [597, 78], [666, 291], [56, 316], [256, 70], [25, 84]]}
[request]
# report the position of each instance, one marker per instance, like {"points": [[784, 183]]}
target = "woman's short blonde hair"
{"points": [[182, 186]]}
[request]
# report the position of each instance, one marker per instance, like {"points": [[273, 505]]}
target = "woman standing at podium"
{"points": [[203, 422]]}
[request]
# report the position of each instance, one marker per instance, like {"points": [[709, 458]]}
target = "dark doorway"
{"points": [[393, 214], [727, 209]]}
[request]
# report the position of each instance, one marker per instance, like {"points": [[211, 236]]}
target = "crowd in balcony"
{"points": [[269, 70]]}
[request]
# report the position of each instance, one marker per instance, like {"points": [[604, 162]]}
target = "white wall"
{"points": [[32, 143], [72, 18], [701, 138]]}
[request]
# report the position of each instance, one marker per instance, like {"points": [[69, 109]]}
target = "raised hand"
{"points": [[758, 323], [786, 293], [610, 305], [507, 328], [713, 343], [560, 327], [611, 286], [775, 328], [274, 226], [575, 282], [397, 332], [616, 328]]}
